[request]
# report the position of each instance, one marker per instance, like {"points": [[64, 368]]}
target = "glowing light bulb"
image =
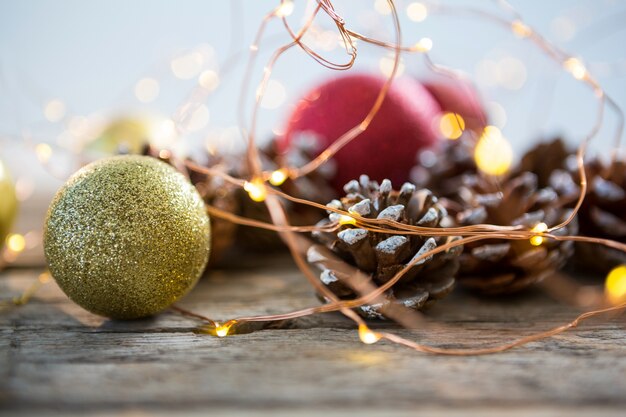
{"points": [[424, 45], [278, 177], [575, 67], [209, 80], [54, 110], [285, 9], [382, 7], [493, 153], [16, 243], [539, 228], [221, 330], [147, 90], [417, 12], [451, 125], [256, 189], [615, 285], [367, 336], [44, 152], [346, 220], [520, 29]]}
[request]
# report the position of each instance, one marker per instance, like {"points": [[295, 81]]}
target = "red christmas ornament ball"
{"points": [[457, 96], [405, 123]]}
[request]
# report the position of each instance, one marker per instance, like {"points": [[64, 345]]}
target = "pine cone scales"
{"points": [[603, 214], [383, 255], [506, 266]]}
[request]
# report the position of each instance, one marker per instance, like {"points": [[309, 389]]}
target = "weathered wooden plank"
{"points": [[55, 356]]}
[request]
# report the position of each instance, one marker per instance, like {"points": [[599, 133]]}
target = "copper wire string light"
{"points": [[472, 233], [260, 184]]}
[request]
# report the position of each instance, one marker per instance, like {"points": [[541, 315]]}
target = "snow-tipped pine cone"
{"points": [[381, 255]]}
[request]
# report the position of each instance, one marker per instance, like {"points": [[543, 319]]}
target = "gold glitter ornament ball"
{"points": [[127, 236], [8, 203]]}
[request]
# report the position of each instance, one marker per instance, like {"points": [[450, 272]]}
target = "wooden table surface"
{"points": [[57, 359]]}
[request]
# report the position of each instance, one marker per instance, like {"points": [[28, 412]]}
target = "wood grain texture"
{"points": [[57, 359]]}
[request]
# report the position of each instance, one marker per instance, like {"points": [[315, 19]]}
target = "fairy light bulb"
{"points": [[43, 152], [493, 153], [285, 9], [539, 228], [417, 11], [575, 67], [221, 330], [451, 125], [256, 189], [424, 45], [16, 243], [278, 177], [520, 29], [367, 336], [346, 220], [615, 285]]}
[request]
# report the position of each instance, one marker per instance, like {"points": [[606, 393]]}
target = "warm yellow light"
{"points": [[274, 95], [424, 45], [285, 9], [520, 29], [278, 177], [539, 228], [147, 90], [575, 67], [417, 12], [43, 151], [16, 243], [256, 189], [54, 110], [346, 220], [382, 7], [367, 336], [209, 80], [186, 67], [221, 330], [615, 285], [493, 153], [451, 125]]}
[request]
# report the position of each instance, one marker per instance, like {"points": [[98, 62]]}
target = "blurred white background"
{"points": [[69, 66]]}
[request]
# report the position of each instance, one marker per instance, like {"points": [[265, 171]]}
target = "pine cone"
{"points": [[383, 255], [603, 214], [522, 198], [313, 187], [506, 266], [441, 170]]}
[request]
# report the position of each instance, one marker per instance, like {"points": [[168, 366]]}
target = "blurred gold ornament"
{"points": [[127, 236], [126, 135], [8, 203]]}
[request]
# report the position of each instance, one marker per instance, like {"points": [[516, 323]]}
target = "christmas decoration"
{"points": [[126, 236], [499, 266], [603, 214], [442, 170], [383, 255], [124, 135], [313, 187], [387, 149], [8, 203]]}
